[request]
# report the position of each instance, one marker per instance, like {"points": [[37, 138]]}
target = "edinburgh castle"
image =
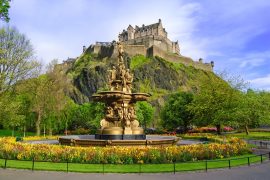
{"points": [[150, 41]]}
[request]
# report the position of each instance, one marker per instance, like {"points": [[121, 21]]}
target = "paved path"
{"points": [[254, 172]]}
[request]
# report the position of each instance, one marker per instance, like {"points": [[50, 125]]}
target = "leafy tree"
{"points": [[39, 88], [68, 113], [12, 114], [16, 58], [87, 115], [215, 102], [57, 99], [265, 100], [4, 7], [145, 113], [175, 112], [48, 98], [253, 109]]}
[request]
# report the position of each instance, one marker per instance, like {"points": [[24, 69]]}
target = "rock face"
{"points": [[154, 75]]}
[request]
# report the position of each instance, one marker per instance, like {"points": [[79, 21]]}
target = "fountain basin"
{"points": [[90, 140]]}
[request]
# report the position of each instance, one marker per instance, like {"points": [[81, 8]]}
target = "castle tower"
{"points": [[130, 32]]}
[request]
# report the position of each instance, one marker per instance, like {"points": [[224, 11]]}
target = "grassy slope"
{"points": [[253, 135], [134, 168], [6, 132]]}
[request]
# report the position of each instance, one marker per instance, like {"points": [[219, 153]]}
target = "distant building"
{"points": [[150, 35]]}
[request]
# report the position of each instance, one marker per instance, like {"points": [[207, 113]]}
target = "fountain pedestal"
{"points": [[120, 121]]}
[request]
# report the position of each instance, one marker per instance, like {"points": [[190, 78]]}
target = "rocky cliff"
{"points": [[151, 75]]}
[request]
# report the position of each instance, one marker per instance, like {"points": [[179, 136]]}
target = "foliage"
{"points": [[145, 113], [209, 129], [46, 98], [253, 109], [249, 110], [86, 61], [175, 112], [210, 137], [215, 103], [137, 61], [4, 7], [174, 65], [16, 58], [120, 155], [87, 116], [6, 132], [13, 112]]}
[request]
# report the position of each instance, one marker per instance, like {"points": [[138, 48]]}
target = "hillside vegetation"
{"points": [[151, 75]]}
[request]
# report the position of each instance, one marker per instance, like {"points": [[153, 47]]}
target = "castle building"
{"points": [[150, 35], [151, 40]]}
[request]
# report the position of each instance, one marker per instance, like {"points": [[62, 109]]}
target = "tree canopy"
{"points": [[215, 102], [17, 60], [4, 7], [145, 113], [175, 112]]}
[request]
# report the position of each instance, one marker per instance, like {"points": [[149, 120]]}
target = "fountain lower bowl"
{"points": [[90, 140]]}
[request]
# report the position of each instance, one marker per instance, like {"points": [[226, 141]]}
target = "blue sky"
{"points": [[233, 33]]}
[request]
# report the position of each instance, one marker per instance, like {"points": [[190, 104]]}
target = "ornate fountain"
{"points": [[120, 121], [120, 126]]}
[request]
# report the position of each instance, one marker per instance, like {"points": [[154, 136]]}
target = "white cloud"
{"points": [[223, 29], [249, 66], [261, 82], [251, 60]]}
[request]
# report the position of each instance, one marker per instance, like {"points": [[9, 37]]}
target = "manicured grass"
{"points": [[132, 168], [252, 135], [6, 132]]}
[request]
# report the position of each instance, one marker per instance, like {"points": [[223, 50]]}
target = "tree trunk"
{"points": [[50, 131], [38, 124], [246, 130], [44, 130], [24, 131], [218, 129], [66, 128], [185, 130], [66, 123]]}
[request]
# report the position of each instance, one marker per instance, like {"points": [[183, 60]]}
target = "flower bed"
{"points": [[36, 138], [209, 137], [210, 129], [119, 155]]}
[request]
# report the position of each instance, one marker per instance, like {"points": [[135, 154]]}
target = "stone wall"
{"points": [[103, 51], [132, 50], [163, 43], [155, 51]]}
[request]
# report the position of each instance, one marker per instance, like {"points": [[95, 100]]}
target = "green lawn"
{"points": [[6, 132], [252, 135], [133, 168]]}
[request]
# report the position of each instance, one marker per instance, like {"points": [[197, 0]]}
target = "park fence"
{"points": [[263, 144], [173, 167]]}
